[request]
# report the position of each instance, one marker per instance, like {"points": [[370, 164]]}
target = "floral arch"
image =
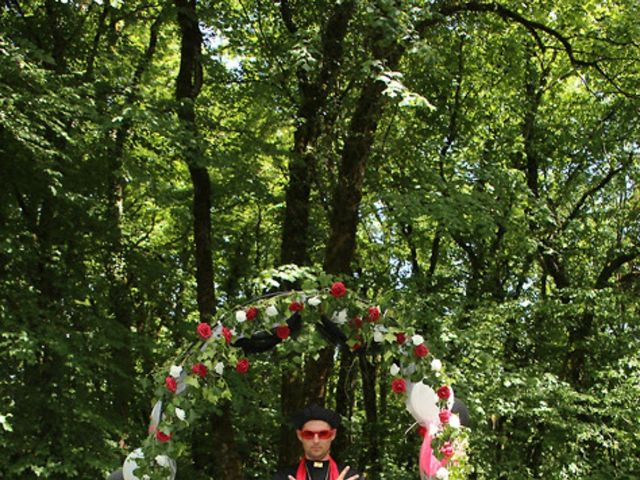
{"points": [[197, 376]]}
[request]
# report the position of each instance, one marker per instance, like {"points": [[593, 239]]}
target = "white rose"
{"points": [[163, 461], [241, 316], [394, 370], [436, 365], [175, 371], [442, 474], [314, 301], [417, 340], [181, 414], [340, 318], [271, 311], [219, 368], [454, 421], [378, 336]]}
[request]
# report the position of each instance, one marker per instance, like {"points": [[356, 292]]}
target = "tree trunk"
{"points": [[344, 395], [202, 237], [291, 381], [296, 391], [341, 246], [188, 86], [117, 272], [371, 454], [314, 95]]}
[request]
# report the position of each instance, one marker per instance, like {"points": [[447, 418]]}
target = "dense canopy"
{"points": [[473, 165]]}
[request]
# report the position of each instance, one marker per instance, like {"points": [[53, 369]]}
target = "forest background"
{"points": [[476, 162]]}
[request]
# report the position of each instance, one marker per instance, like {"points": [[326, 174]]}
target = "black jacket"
{"points": [[317, 473]]}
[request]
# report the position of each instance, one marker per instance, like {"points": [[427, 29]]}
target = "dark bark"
{"points": [[456, 107], [530, 165], [371, 454], [613, 265], [188, 86], [534, 88], [202, 236], [317, 374], [435, 254], [344, 395], [58, 40], [102, 25], [289, 444], [296, 220], [314, 95], [341, 245]]}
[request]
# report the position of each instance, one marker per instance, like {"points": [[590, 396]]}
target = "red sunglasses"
{"points": [[322, 434]]}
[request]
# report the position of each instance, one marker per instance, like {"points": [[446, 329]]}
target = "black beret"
{"points": [[315, 412]]}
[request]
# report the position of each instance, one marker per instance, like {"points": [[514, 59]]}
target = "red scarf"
{"points": [[301, 474]]}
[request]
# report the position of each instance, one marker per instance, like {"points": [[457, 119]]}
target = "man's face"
{"points": [[316, 448]]}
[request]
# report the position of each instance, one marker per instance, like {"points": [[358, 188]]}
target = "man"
{"points": [[316, 427]]}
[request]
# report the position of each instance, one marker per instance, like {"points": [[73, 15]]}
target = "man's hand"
{"points": [[343, 475]]}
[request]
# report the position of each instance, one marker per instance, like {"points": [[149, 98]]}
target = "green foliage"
{"points": [[499, 218]]}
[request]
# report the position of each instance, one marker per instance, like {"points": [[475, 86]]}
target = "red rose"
{"points": [[422, 431], [296, 306], [399, 385], [338, 289], [401, 338], [242, 366], [447, 449], [226, 333], [421, 350], [374, 314], [204, 330], [252, 312], [283, 332], [444, 416], [356, 346], [171, 384], [357, 322], [163, 437], [199, 369], [444, 393]]}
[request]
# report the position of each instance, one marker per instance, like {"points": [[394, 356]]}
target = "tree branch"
{"points": [[435, 252], [287, 16], [613, 265], [532, 26], [593, 190]]}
